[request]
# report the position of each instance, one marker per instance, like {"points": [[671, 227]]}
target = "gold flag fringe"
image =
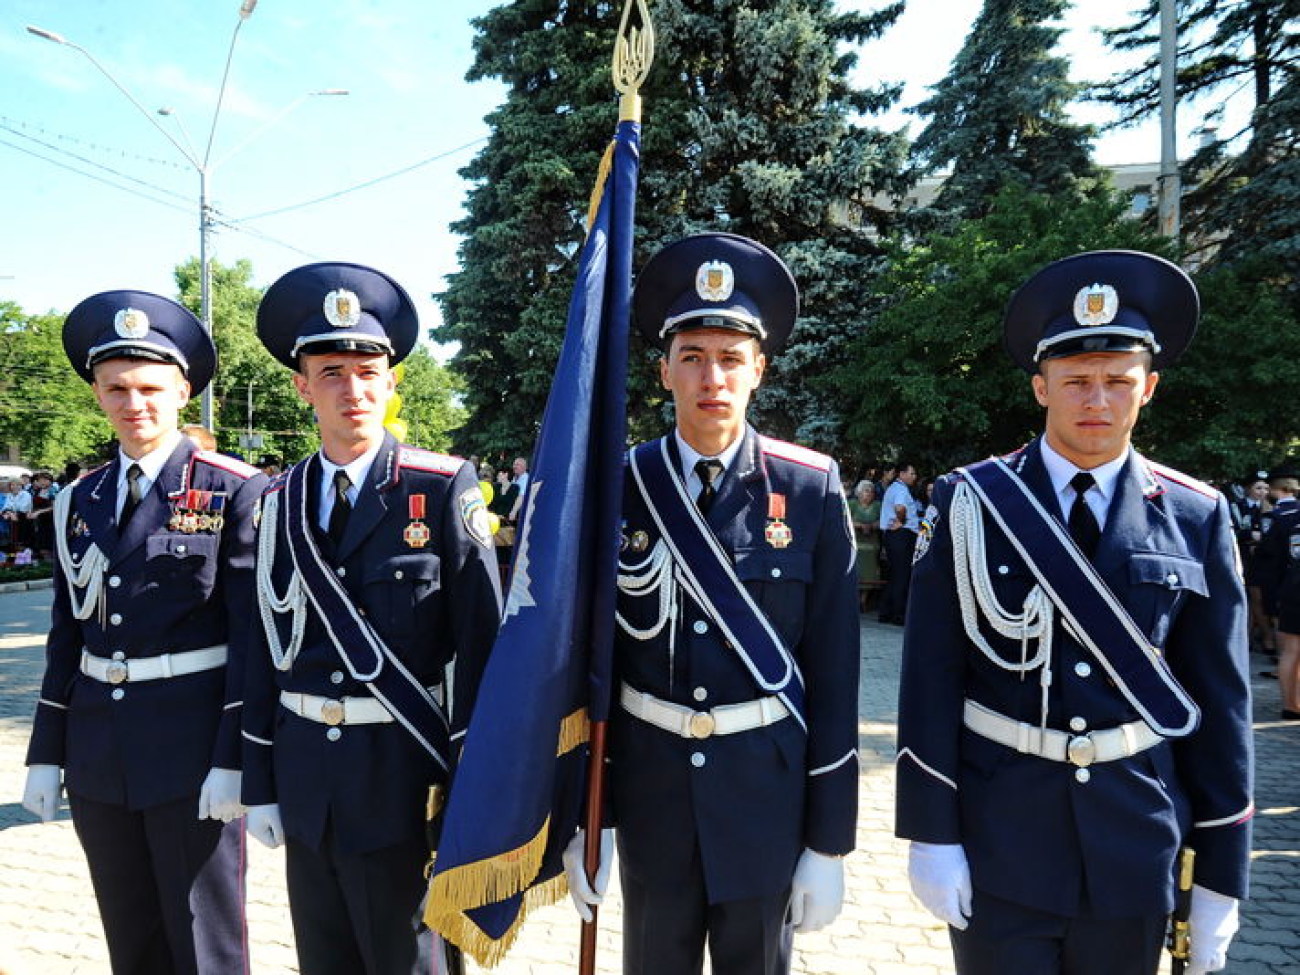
{"points": [[598, 190], [499, 877]]}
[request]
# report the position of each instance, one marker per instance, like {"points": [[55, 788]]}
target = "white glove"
{"points": [[219, 797], [817, 891], [586, 896], [265, 825], [41, 793], [1211, 925], [940, 878]]}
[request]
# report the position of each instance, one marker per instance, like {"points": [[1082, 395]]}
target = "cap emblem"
{"points": [[342, 309], [131, 323], [715, 281], [1096, 304]]}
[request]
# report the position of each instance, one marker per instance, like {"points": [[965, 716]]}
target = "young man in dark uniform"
{"points": [[733, 747], [140, 707], [1074, 705], [375, 577]]}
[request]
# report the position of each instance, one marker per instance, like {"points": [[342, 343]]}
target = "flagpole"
{"points": [[633, 55]]}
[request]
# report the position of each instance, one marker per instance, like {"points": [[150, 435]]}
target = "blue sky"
{"points": [[69, 234]]}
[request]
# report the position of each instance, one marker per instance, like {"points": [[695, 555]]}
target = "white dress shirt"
{"points": [[151, 465], [357, 471], [1098, 497]]}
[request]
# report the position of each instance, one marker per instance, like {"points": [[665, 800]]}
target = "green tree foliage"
{"points": [[1242, 187], [930, 377], [46, 410], [430, 401], [748, 128], [1000, 115]]}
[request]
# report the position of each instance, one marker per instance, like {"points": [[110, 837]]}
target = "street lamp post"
{"points": [[203, 165]]}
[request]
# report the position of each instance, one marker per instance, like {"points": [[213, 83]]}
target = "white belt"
{"points": [[1082, 749], [121, 671], [725, 719], [336, 710]]}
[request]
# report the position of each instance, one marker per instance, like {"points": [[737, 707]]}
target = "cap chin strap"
{"points": [[752, 325], [1138, 335], [134, 348], [344, 342]]}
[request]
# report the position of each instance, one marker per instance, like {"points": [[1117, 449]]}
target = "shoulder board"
{"points": [[418, 459], [795, 454], [276, 483], [1178, 477], [222, 462]]}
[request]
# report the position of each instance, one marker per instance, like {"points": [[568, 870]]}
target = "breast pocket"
{"points": [[181, 566], [778, 579], [399, 592], [1159, 585]]}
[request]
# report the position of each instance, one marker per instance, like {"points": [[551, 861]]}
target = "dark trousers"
{"points": [[899, 546], [361, 914], [1011, 939], [170, 887], [665, 930]]}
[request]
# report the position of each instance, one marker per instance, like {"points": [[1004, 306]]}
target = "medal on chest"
{"points": [[777, 532], [197, 511], [416, 534]]}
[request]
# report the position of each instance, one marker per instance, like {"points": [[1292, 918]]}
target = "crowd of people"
{"points": [[26, 507]]}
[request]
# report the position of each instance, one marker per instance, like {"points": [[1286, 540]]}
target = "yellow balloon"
{"points": [[486, 488], [494, 522]]}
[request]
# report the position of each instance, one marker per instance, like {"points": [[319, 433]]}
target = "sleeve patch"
{"points": [[474, 513]]}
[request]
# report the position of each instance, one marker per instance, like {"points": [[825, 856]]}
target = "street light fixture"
{"points": [[203, 166]]}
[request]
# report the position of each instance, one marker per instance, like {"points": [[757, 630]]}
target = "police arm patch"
{"points": [[474, 513], [924, 532]]}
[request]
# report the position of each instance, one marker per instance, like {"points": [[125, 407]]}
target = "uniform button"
{"points": [[336, 677], [397, 574], [1078, 724], [700, 694], [118, 694], [1083, 668], [181, 549], [1003, 570], [114, 581], [1082, 775], [700, 627], [334, 734], [341, 571], [1172, 578], [698, 759], [776, 573], [116, 619]]}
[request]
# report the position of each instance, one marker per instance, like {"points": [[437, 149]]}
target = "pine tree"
{"points": [[749, 128], [1242, 186], [1000, 117]]}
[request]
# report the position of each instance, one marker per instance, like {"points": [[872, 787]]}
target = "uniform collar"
{"points": [[690, 456], [151, 464], [1061, 471], [356, 469]]}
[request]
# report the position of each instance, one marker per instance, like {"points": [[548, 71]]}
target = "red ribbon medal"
{"points": [[417, 533], [777, 532]]}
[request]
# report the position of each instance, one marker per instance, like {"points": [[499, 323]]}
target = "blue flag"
{"points": [[519, 787]]}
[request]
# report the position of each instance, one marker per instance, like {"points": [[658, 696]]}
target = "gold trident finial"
{"points": [[634, 51]]}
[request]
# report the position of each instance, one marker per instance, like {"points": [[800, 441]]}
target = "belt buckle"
{"points": [[702, 724], [1081, 751], [116, 672], [331, 712]]}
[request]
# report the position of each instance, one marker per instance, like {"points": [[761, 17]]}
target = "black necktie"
{"points": [[1083, 523], [707, 471], [342, 506], [133, 475]]}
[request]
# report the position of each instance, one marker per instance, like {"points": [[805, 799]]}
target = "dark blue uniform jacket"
{"points": [[431, 605], [165, 591], [1034, 834], [751, 801]]}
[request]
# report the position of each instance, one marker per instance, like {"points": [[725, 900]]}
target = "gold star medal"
{"points": [[777, 532], [416, 534]]}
